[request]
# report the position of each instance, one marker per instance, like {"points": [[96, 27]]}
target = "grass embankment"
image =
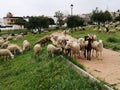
{"points": [[42, 73]]}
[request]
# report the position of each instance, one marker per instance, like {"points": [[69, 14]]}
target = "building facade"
{"points": [[9, 19]]}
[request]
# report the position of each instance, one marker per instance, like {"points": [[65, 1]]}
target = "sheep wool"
{"points": [[36, 49], [6, 53], [52, 49]]}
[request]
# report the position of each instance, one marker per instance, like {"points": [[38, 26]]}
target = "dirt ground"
{"points": [[107, 69]]}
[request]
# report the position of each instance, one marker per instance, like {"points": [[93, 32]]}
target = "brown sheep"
{"points": [[43, 40]]}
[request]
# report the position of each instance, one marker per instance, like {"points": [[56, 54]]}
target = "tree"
{"points": [[100, 16], [97, 16], [38, 23], [51, 21], [75, 21], [107, 16], [59, 16]]}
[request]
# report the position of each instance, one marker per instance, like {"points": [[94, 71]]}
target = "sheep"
{"points": [[61, 41], [98, 47], [1, 38], [99, 30], [14, 48], [19, 37], [43, 40], [65, 32], [9, 38], [1, 42], [6, 53], [75, 48], [82, 44], [117, 28], [52, 49], [36, 49], [94, 37], [5, 44], [54, 39], [112, 31], [5, 36], [26, 45]]}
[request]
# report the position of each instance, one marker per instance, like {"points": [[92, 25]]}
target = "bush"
{"points": [[113, 40]]}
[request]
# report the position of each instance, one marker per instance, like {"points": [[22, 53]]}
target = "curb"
{"points": [[85, 74]]}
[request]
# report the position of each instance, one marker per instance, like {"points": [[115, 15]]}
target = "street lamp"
{"points": [[71, 6]]}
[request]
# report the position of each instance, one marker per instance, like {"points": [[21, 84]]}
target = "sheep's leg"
{"points": [[78, 53], [6, 58], [85, 53], [93, 51], [88, 55], [35, 54], [69, 52], [97, 54], [100, 56], [52, 55], [82, 54], [48, 53]]}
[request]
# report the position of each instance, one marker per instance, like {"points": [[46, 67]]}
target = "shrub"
{"points": [[112, 40]]}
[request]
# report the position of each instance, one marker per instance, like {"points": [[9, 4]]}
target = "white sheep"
{"points": [[6, 53], [61, 40], [54, 39], [9, 38], [98, 47], [75, 48], [5, 36], [19, 37], [83, 44], [52, 49], [112, 31], [14, 48], [5, 45], [1, 42], [1, 38], [36, 49], [65, 32], [26, 45]]}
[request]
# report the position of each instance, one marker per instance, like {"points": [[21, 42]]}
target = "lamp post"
{"points": [[71, 6]]}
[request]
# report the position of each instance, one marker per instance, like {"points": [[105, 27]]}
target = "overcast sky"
{"points": [[49, 7]]}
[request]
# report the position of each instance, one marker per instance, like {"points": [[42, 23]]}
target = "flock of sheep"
{"points": [[61, 42], [82, 47], [8, 50]]}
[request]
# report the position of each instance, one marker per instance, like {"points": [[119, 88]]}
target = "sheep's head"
{"points": [[12, 56], [68, 45], [60, 49], [21, 51]]}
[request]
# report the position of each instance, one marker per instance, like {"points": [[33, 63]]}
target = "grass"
{"points": [[25, 72]]}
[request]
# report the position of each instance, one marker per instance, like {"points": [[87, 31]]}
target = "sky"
{"points": [[49, 7]]}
